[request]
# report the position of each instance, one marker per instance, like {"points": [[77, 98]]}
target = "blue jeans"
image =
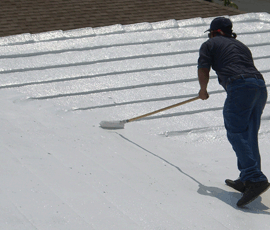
{"points": [[246, 99]]}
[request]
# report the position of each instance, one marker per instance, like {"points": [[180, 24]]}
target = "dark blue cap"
{"points": [[220, 23]]}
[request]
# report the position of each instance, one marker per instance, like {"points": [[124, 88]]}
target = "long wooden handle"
{"points": [[160, 110]]}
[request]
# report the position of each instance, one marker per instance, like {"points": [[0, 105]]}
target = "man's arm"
{"points": [[203, 76]]}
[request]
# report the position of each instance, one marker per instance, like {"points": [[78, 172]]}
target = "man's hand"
{"points": [[203, 94], [203, 76]]}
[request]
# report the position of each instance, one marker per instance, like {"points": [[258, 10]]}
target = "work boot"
{"points": [[252, 191], [236, 184]]}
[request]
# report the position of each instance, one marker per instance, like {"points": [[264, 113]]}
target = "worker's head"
{"points": [[222, 26]]}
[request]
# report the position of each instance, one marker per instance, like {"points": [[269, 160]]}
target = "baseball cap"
{"points": [[221, 23]]}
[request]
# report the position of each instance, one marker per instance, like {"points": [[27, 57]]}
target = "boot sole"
{"points": [[268, 186]]}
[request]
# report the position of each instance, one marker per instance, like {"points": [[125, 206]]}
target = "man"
{"points": [[246, 99]]}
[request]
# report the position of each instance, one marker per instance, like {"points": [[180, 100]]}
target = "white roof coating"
{"points": [[60, 170]]}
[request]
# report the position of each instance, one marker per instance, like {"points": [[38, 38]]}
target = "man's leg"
{"points": [[255, 122], [238, 111]]}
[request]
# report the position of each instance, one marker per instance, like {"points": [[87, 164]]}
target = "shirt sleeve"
{"points": [[205, 60]]}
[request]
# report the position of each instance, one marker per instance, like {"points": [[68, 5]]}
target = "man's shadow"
{"points": [[229, 198]]}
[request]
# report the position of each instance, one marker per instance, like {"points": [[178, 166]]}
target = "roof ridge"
{"points": [[57, 35]]}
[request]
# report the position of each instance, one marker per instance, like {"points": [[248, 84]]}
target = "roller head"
{"points": [[112, 124]]}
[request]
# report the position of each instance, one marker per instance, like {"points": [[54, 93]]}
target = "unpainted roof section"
{"points": [[28, 16]]}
